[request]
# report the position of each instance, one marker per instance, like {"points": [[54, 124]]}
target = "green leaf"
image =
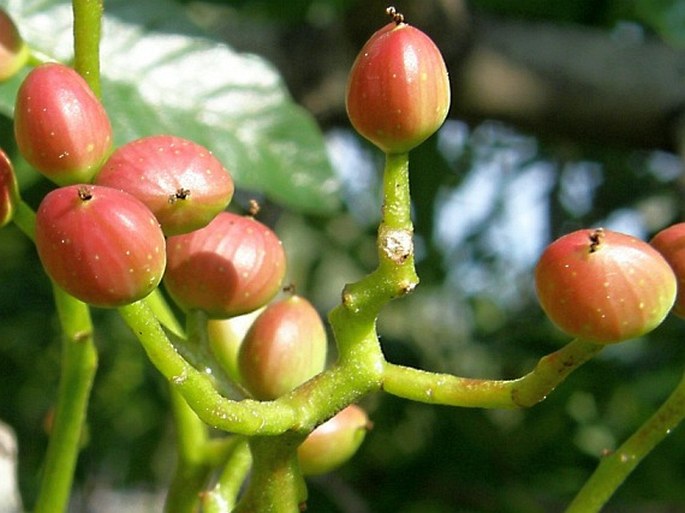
{"points": [[161, 74], [666, 17]]}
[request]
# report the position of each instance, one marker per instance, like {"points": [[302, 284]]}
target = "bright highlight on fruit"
{"points": [[603, 286], [183, 184], [61, 127], [101, 245], [398, 90]]}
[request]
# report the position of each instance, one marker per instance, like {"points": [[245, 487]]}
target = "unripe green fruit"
{"points": [[9, 189], [334, 442], [225, 338], [285, 346], [232, 266], [101, 245], [670, 242], [398, 91], [61, 128], [183, 184], [603, 286], [13, 49]]}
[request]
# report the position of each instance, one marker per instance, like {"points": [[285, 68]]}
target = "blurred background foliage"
{"points": [[490, 190]]}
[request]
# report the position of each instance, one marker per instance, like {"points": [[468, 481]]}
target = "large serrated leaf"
{"points": [[160, 74]]}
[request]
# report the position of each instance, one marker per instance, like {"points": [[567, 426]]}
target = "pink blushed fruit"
{"points": [[334, 442], [285, 346], [182, 182], [670, 242], [101, 245], [232, 266], [603, 286], [398, 91], [61, 127]]}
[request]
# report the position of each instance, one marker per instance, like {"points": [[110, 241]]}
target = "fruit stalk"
{"points": [[395, 275], [79, 363], [191, 471], [223, 497], [530, 389], [87, 32], [615, 467]]}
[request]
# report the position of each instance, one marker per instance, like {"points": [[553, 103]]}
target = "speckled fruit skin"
{"points": [[670, 242], [604, 286], [61, 128], [13, 49], [285, 346], [8, 189], [101, 245], [183, 184], [334, 442], [398, 91], [232, 266]]}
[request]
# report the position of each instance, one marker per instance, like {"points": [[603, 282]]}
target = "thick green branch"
{"points": [[437, 388], [276, 485]]}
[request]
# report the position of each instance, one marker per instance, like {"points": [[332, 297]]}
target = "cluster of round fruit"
{"points": [[123, 220]]}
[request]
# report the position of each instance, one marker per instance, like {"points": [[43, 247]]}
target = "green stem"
{"points": [[87, 32], [438, 388], [614, 468], [276, 484], [160, 308], [191, 472], [25, 219], [79, 364], [396, 274], [223, 497]]}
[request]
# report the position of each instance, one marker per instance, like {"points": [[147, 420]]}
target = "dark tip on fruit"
{"points": [[253, 208], [85, 193], [596, 239], [181, 194], [397, 17]]}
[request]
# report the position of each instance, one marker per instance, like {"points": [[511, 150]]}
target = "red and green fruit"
{"points": [[232, 266], [603, 286], [398, 90], [334, 442], [61, 127], [285, 346], [670, 242], [183, 184], [9, 190], [13, 49], [101, 245]]}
